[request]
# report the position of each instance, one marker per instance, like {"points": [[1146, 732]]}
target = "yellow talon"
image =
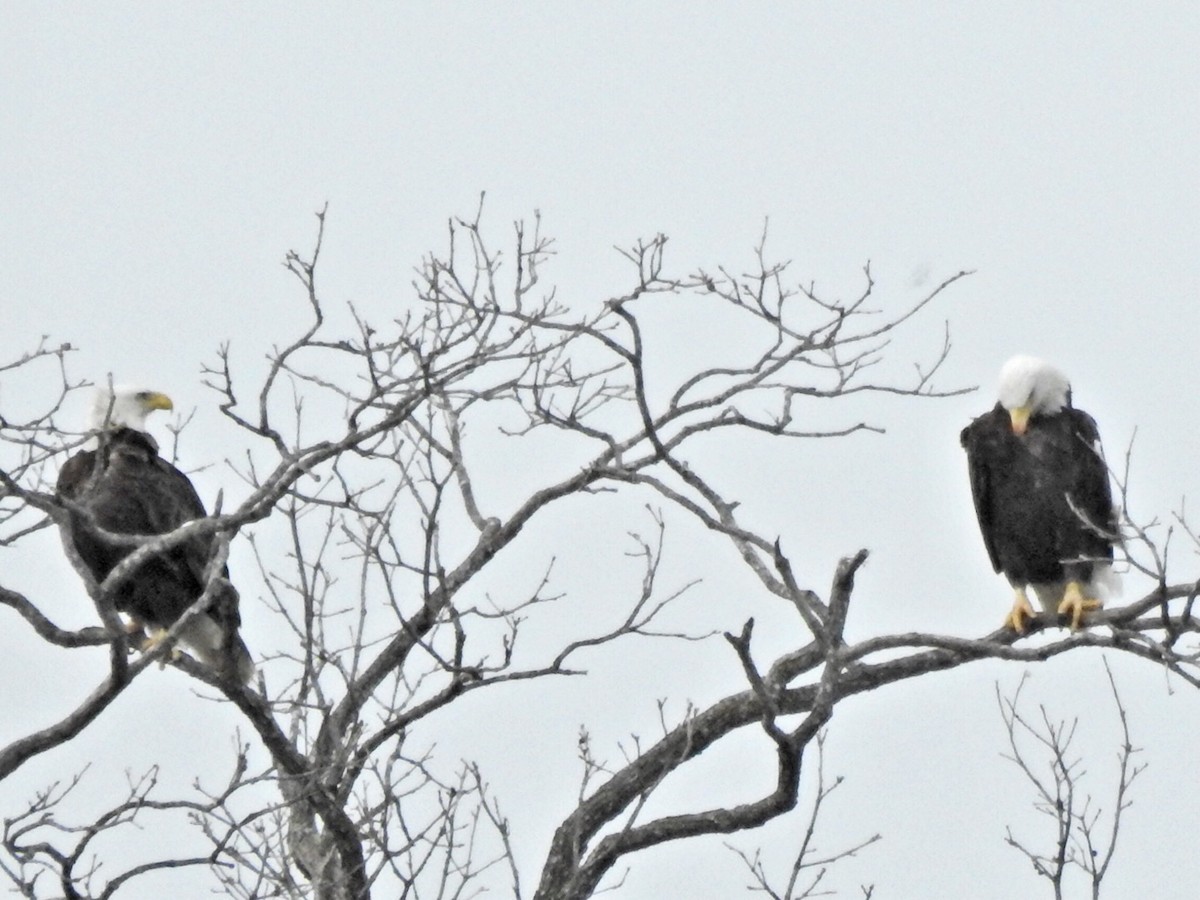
{"points": [[1075, 604], [1021, 612], [153, 639]]}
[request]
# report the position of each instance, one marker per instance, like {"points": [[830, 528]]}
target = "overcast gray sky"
{"points": [[156, 161]]}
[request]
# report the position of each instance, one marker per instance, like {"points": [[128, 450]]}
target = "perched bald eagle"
{"points": [[127, 488], [1041, 494]]}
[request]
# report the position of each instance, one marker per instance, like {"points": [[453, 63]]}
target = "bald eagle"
{"points": [[125, 487], [1041, 493]]}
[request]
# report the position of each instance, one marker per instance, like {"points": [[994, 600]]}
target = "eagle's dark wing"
{"points": [[979, 440], [176, 490], [1092, 492]]}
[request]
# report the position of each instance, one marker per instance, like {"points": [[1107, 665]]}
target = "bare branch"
{"points": [[407, 483]]}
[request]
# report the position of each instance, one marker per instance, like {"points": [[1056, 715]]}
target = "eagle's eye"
{"points": [[143, 395]]}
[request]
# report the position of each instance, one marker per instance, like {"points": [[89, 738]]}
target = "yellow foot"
{"points": [[1021, 612], [153, 639], [1075, 604]]}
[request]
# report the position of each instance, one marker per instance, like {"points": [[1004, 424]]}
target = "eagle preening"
{"points": [[124, 487], [1041, 494]]}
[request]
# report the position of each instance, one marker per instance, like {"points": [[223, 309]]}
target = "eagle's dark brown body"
{"points": [[1042, 498], [127, 488]]}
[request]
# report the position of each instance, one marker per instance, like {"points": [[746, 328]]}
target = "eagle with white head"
{"points": [[125, 487], [1042, 497]]}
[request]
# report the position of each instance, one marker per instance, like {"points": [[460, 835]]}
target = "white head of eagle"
{"points": [[1041, 493], [124, 406], [1031, 386]]}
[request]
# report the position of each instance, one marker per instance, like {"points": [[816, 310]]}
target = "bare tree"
{"points": [[1085, 830], [381, 498]]}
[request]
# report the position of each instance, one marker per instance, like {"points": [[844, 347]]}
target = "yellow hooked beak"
{"points": [[1020, 419], [155, 400]]}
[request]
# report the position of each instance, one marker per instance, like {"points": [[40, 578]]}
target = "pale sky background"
{"points": [[157, 161]]}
